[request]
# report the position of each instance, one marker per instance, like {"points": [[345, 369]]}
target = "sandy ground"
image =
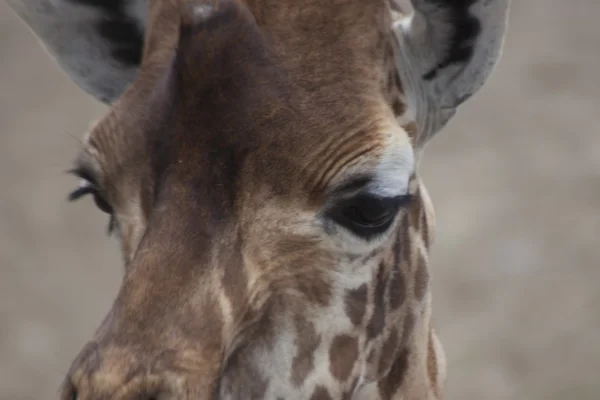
{"points": [[515, 179]]}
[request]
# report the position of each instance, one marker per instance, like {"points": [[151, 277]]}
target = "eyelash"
{"points": [[88, 186]]}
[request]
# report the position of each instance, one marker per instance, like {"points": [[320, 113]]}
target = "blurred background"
{"points": [[515, 178]]}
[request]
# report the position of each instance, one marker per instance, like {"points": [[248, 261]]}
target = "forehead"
{"points": [[220, 98], [316, 158]]}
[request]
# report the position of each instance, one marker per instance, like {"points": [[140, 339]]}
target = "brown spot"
{"points": [[392, 78], [388, 350], [425, 229], [407, 326], [372, 355], [342, 356], [397, 249], [397, 81], [356, 303], [390, 84], [377, 321], [397, 290], [406, 240], [307, 342], [432, 369], [389, 385], [320, 393], [421, 277], [398, 107], [411, 129], [414, 213]]}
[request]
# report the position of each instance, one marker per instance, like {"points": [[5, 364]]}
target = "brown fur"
{"points": [[307, 342], [342, 356], [320, 393], [356, 302]]}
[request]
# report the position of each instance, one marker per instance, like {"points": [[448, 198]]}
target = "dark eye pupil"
{"points": [[370, 214]]}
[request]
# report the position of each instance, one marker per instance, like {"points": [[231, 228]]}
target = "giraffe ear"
{"points": [[98, 44], [448, 50]]}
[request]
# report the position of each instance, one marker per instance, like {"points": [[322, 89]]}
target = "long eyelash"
{"points": [[112, 225], [84, 174], [80, 192]]}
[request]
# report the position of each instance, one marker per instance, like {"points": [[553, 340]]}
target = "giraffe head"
{"points": [[259, 165]]}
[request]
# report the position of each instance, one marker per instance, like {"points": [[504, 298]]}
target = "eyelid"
{"points": [[363, 186], [352, 187], [400, 200], [86, 174]]}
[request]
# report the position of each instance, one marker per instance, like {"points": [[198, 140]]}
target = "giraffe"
{"points": [[259, 164]]}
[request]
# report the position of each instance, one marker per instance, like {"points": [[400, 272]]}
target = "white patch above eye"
{"points": [[397, 164]]}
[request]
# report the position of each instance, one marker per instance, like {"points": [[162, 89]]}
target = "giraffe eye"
{"points": [[368, 215], [87, 186]]}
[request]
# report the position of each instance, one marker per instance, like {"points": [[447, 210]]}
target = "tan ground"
{"points": [[515, 178]]}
